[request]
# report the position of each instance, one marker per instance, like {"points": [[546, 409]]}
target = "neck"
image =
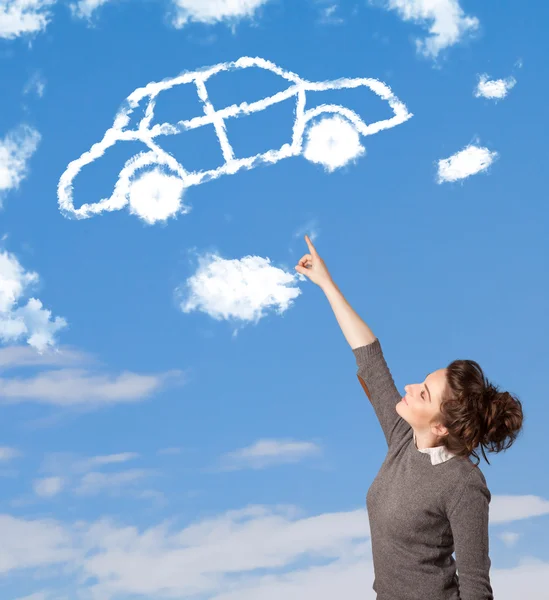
{"points": [[426, 440]]}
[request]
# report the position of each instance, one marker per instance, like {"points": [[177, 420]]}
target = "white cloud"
{"points": [[36, 596], [184, 11], [48, 487], [84, 477], [494, 88], [328, 15], [156, 196], [74, 387], [504, 509], [31, 321], [242, 289], [509, 538], [267, 453], [7, 453], [213, 11], [36, 84], [23, 356], [96, 482], [33, 543], [16, 148], [23, 17], [333, 142], [254, 553], [84, 9], [109, 459], [466, 162], [447, 22]]}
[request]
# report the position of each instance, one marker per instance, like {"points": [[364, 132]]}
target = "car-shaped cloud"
{"points": [[154, 160]]}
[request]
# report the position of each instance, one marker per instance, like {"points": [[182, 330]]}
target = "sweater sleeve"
{"points": [[377, 381], [469, 524]]}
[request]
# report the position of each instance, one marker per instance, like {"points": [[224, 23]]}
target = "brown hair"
{"points": [[476, 413]]}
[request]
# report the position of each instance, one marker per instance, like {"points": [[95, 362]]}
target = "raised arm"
{"points": [[355, 330], [373, 372]]}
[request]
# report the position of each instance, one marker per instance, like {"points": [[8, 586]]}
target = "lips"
{"points": [[404, 400]]}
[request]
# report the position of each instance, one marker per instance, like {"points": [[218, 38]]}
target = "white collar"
{"points": [[439, 454]]}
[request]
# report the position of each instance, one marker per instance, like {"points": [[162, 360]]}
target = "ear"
{"points": [[439, 430]]}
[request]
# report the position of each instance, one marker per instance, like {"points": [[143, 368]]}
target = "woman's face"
{"points": [[420, 406]]}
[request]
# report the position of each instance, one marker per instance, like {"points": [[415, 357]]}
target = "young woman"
{"points": [[428, 499]]}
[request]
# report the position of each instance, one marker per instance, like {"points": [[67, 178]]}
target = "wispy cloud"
{"points": [[504, 509], [88, 386], [509, 538], [97, 482], [77, 387], [48, 487], [268, 453], [25, 356], [23, 17], [86, 476], [447, 22], [7, 453], [84, 9], [30, 321], [494, 89], [36, 85], [329, 14], [185, 11], [253, 553], [242, 289], [16, 148], [469, 161]]}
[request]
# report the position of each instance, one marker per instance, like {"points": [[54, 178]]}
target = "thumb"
{"points": [[302, 270]]}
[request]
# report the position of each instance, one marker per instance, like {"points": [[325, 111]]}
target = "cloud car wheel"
{"points": [[333, 142], [155, 193]]}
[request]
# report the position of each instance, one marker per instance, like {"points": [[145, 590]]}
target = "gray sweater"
{"points": [[420, 512]]}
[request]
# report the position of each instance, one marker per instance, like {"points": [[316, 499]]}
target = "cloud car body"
{"points": [[155, 157]]}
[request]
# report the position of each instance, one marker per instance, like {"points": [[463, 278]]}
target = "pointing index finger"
{"points": [[310, 244]]}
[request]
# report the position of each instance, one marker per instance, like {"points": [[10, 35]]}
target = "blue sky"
{"points": [[225, 450]]}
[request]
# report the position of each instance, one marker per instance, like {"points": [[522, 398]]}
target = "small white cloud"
{"points": [[213, 11], [333, 142], [466, 162], [447, 22], [36, 84], [494, 88], [23, 17], [16, 148], [329, 16], [156, 196], [84, 9], [509, 538], [7, 453], [31, 321], [48, 487], [96, 482], [267, 453], [109, 459], [243, 289]]}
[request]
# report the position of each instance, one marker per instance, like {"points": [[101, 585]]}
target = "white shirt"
{"points": [[439, 454]]}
